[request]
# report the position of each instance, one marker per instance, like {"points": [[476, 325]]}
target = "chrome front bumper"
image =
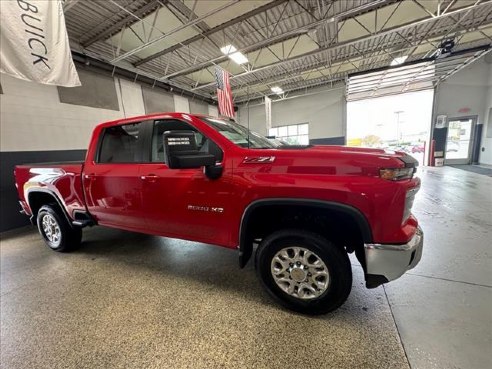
{"points": [[386, 262]]}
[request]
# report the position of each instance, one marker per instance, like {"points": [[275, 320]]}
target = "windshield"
{"points": [[239, 134]]}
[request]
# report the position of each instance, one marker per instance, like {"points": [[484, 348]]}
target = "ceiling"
{"points": [[292, 44]]}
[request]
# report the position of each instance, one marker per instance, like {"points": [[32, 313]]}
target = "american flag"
{"points": [[224, 93]]}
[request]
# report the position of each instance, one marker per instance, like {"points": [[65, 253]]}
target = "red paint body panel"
{"points": [[151, 198], [63, 180], [167, 199], [114, 194]]}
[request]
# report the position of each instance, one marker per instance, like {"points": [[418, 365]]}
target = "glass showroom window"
{"points": [[296, 134]]}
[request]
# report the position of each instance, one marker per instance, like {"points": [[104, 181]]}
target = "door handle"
{"points": [[149, 177], [90, 177]]}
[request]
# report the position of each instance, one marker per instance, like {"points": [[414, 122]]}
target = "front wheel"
{"points": [[57, 233], [304, 271]]}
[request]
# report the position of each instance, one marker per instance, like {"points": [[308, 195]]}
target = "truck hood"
{"points": [[379, 155], [334, 159], [353, 150]]}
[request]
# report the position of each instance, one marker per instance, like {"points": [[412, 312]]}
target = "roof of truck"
{"points": [[140, 118]]}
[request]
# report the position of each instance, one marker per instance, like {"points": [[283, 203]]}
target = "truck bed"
{"points": [[62, 179]]}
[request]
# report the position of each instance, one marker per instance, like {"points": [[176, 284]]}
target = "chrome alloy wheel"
{"points": [[300, 273], [51, 229]]}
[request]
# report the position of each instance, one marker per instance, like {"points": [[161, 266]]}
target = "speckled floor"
{"points": [[126, 300]]}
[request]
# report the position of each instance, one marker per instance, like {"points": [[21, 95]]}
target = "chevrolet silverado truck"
{"points": [[300, 209]]}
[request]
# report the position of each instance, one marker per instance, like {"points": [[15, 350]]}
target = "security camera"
{"points": [[447, 46]]}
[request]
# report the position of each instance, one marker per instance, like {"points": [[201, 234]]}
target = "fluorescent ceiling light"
{"points": [[238, 58], [234, 55], [399, 60], [228, 49], [277, 90]]}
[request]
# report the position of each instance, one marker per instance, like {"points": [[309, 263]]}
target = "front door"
{"points": [[184, 203], [459, 141]]}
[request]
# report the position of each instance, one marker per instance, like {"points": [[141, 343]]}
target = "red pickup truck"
{"points": [[199, 178]]}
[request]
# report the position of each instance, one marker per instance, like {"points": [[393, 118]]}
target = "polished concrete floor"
{"points": [[126, 300]]}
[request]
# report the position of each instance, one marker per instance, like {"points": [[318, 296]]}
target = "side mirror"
{"points": [[181, 152]]}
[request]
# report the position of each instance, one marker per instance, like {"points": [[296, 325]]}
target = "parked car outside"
{"points": [[418, 149], [452, 146]]}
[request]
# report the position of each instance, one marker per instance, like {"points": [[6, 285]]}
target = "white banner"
{"points": [[34, 43], [268, 112]]}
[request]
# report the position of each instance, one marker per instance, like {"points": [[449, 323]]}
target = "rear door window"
{"points": [[121, 144]]}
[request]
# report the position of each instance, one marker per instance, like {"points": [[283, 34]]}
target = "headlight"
{"points": [[396, 174]]}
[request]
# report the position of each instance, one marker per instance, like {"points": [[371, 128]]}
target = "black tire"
{"points": [[69, 237], [335, 259]]}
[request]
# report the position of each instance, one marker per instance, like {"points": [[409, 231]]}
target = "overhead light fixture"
{"points": [[277, 90], [236, 56], [399, 60]]}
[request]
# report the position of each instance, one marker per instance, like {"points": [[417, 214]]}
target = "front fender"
{"points": [[246, 245]]}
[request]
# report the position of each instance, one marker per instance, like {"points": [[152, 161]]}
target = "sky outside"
{"points": [[377, 117]]}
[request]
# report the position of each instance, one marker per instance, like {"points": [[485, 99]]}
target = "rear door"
{"points": [[184, 203], [112, 182]]}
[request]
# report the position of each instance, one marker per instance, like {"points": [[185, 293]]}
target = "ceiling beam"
{"points": [[126, 21], [245, 99], [468, 61], [222, 58], [189, 14], [451, 65], [384, 33], [68, 4], [213, 30], [439, 61], [173, 31], [285, 36], [285, 77]]}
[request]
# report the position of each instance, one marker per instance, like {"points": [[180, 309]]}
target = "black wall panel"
{"points": [[97, 91], [440, 136], [328, 141], [9, 206], [198, 107], [477, 144], [157, 101]]}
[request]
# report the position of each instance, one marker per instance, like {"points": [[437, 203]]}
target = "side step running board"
{"points": [[83, 223], [83, 219]]}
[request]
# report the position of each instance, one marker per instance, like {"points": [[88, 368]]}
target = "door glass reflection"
{"points": [[458, 140]]}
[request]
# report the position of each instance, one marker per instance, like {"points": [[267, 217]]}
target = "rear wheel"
{"points": [[57, 233], [304, 271]]}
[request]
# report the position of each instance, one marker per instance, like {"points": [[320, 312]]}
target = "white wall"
{"points": [[33, 118], [130, 98], [324, 109], [486, 155], [213, 111], [468, 90], [181, 104]]}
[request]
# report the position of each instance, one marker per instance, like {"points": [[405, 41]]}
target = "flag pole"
{"points": [[248, 115]]}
